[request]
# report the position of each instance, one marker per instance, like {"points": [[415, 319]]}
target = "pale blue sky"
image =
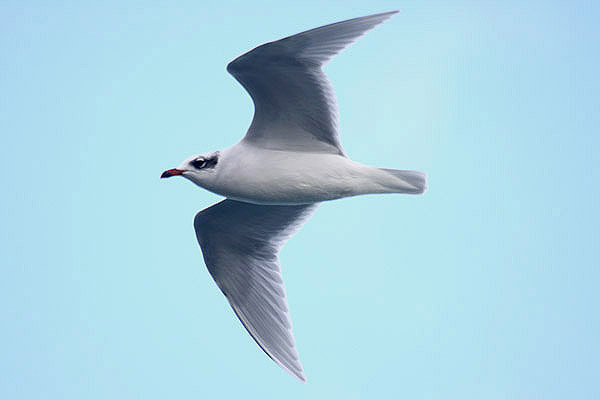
{"points": [[486, 287]]}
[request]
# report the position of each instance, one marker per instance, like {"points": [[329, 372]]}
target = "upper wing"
{"points": [[240, 242], [294, 103]]}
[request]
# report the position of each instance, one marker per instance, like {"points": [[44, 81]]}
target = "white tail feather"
{"points": [[416, 179]]}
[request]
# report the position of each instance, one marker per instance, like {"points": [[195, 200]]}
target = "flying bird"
{"points": [[289, 161]]}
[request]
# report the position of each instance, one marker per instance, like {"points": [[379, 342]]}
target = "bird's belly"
{"points": [[301, 180], [286, 190]]}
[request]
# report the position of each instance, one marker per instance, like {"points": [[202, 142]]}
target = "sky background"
{"points": [[485, 287]]}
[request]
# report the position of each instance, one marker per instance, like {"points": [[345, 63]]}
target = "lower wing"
{"points": [[240, 243]]}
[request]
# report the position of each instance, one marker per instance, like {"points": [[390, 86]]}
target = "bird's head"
{"points": [[199, 169]]}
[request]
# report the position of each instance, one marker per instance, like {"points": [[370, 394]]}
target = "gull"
{"points": [[289, 161]]}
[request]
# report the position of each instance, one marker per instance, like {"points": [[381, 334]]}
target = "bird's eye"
{"points": [[199, 163]]}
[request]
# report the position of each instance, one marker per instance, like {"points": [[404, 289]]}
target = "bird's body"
{"points": [[262, 176], [289, 161]]}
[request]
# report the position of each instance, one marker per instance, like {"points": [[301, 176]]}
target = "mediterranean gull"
{"points": [[289, 161]]}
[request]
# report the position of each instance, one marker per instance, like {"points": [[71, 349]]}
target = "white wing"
{"points": [[294, 103], [240, 242]]}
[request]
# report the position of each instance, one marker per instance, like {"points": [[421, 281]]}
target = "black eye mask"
{"points": [[205, 163]]}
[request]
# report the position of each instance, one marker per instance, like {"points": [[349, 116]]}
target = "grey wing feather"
{"points": [[295, 106], [240, 243]]}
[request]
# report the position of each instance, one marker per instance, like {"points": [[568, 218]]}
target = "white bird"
{"points": [[289, 161]]}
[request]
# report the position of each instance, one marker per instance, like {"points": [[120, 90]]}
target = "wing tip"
{"points": [[301, 378], [383, 15], [298, 374], [380, 17]]}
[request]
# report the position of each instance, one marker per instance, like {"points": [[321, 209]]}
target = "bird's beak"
{"points": [[171, 172]]}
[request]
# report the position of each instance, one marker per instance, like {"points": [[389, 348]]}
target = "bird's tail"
{"points": [[413, 182]]}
